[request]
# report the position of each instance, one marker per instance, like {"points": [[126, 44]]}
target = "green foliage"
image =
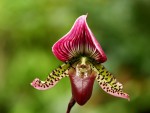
{"points": [[29, 28]]}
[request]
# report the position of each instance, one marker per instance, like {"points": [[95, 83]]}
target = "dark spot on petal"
{"points": [[106, 78], [102, 78], [46, 85], [47, 79], [102, 72]]}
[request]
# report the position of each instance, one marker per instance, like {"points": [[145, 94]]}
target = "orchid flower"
{"points": [[83, 57]]}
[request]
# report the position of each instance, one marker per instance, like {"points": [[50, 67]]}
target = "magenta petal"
{"points": [[79, 41]]}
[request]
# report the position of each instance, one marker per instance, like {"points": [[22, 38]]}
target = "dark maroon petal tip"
{"points": [[79, 41]]}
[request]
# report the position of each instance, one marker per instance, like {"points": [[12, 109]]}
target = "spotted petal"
{"points": [[79, 41], [109, 84], [52, 78]]}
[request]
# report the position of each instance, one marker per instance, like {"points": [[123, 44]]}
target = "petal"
{"points": [[82, 87], [109, 84], [52, 78], [79, 41]]}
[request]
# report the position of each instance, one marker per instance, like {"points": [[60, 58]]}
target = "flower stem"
{"points": [[71, 104]]}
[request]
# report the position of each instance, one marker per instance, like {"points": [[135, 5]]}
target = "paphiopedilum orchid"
{"points": [[82, 56]]}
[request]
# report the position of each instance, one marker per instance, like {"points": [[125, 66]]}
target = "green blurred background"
{"points": [[29, 28]]}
